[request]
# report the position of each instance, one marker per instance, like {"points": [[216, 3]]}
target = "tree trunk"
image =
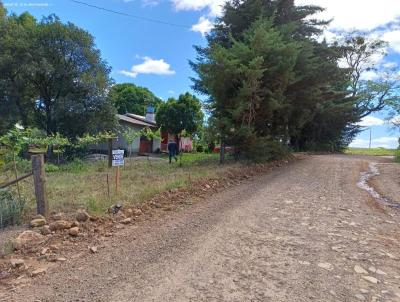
{"points": [[49, 126], [222, 153]]}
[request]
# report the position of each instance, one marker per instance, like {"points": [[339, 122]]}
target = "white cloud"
{"points": [[356, 14], [353, 14], [390, 65], [328, 36], [149, 66], [380, 142], [128, 73], [369, 121], [393, 38], [171, 92], [214, 7], [204, 26], [369, 75], [363, 15], [150, 2]]}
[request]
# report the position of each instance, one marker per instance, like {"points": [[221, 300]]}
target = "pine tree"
{"points": [[268, 78]]}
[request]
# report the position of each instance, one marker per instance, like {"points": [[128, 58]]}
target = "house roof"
{"points": [[136, 120]]}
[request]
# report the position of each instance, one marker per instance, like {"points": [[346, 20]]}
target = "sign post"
{"points": [[117, 161]]}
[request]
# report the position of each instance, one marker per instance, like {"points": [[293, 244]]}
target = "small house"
{"points": [[141, 145]]}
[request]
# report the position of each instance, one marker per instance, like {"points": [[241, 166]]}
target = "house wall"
{"points": [[120, 143]]}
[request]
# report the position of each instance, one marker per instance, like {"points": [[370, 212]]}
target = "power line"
{"points": [[130, 15]]}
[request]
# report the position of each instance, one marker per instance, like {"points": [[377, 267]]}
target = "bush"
{"points": [[23, 165], [49, 168], [264, 150], [200, 148], [250, 146], [76, 165], [11, 209]]}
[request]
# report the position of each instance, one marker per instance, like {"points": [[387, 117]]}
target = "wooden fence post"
{"points": [[39, 178], [110, 149]]}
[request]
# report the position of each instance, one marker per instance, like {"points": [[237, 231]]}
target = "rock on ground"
{"points": [[60, 225], [35, 223], [28, 239]]}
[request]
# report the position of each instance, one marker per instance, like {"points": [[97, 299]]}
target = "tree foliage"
{"points": [[52, 77], [371, 85], [183, 114], [129, 98], [269, 78]]}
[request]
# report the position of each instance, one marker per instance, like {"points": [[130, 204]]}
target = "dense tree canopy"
{"points": [[270, 78], [129, 98], [52, 77], [183, 114]]}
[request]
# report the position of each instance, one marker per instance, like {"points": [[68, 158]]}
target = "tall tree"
{"points": [[70, 77], [361, 55], [264, 64], [129, 98], [16, 94], [183, 114], [394, 106], [53, 77]]}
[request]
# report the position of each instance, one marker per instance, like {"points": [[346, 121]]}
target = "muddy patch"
{"points": [[364, 183]]}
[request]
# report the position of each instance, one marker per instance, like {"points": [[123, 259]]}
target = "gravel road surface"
{"points": [[304, 232]]}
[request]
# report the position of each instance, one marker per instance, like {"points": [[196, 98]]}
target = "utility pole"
{"points": [[370, 137]]}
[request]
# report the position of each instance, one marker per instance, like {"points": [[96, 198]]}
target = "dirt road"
{"points": [[304, 232]]}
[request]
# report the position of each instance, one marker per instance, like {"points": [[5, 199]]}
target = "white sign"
{"points": [[118, 158]]}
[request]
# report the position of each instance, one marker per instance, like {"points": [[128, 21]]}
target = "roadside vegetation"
{"points": [[84, 184]]}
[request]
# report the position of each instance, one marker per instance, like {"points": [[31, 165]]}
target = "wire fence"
{"points": [[16, 190], [92, 185], [11, 208]]}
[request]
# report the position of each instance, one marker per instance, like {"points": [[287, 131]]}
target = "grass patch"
{"points": [[372, 151], [84, 185], [7, 248], [11, 209]]}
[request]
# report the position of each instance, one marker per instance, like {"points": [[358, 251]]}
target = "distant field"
{"points": [[372, 151]]}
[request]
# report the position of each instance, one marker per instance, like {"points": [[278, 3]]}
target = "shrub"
{"points": [[51, 168], [23, 165], [11, 209], [200, 148], [76, 165], [266, 150], [250, 146]]}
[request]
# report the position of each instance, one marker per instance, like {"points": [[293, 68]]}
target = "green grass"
{"points": [[84, 185], [372, 151]]}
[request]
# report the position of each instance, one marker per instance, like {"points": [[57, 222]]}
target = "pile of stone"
{"points": [[41, 228]]}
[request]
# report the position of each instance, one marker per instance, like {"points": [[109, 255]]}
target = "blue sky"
{"points": [[156, 55]]}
